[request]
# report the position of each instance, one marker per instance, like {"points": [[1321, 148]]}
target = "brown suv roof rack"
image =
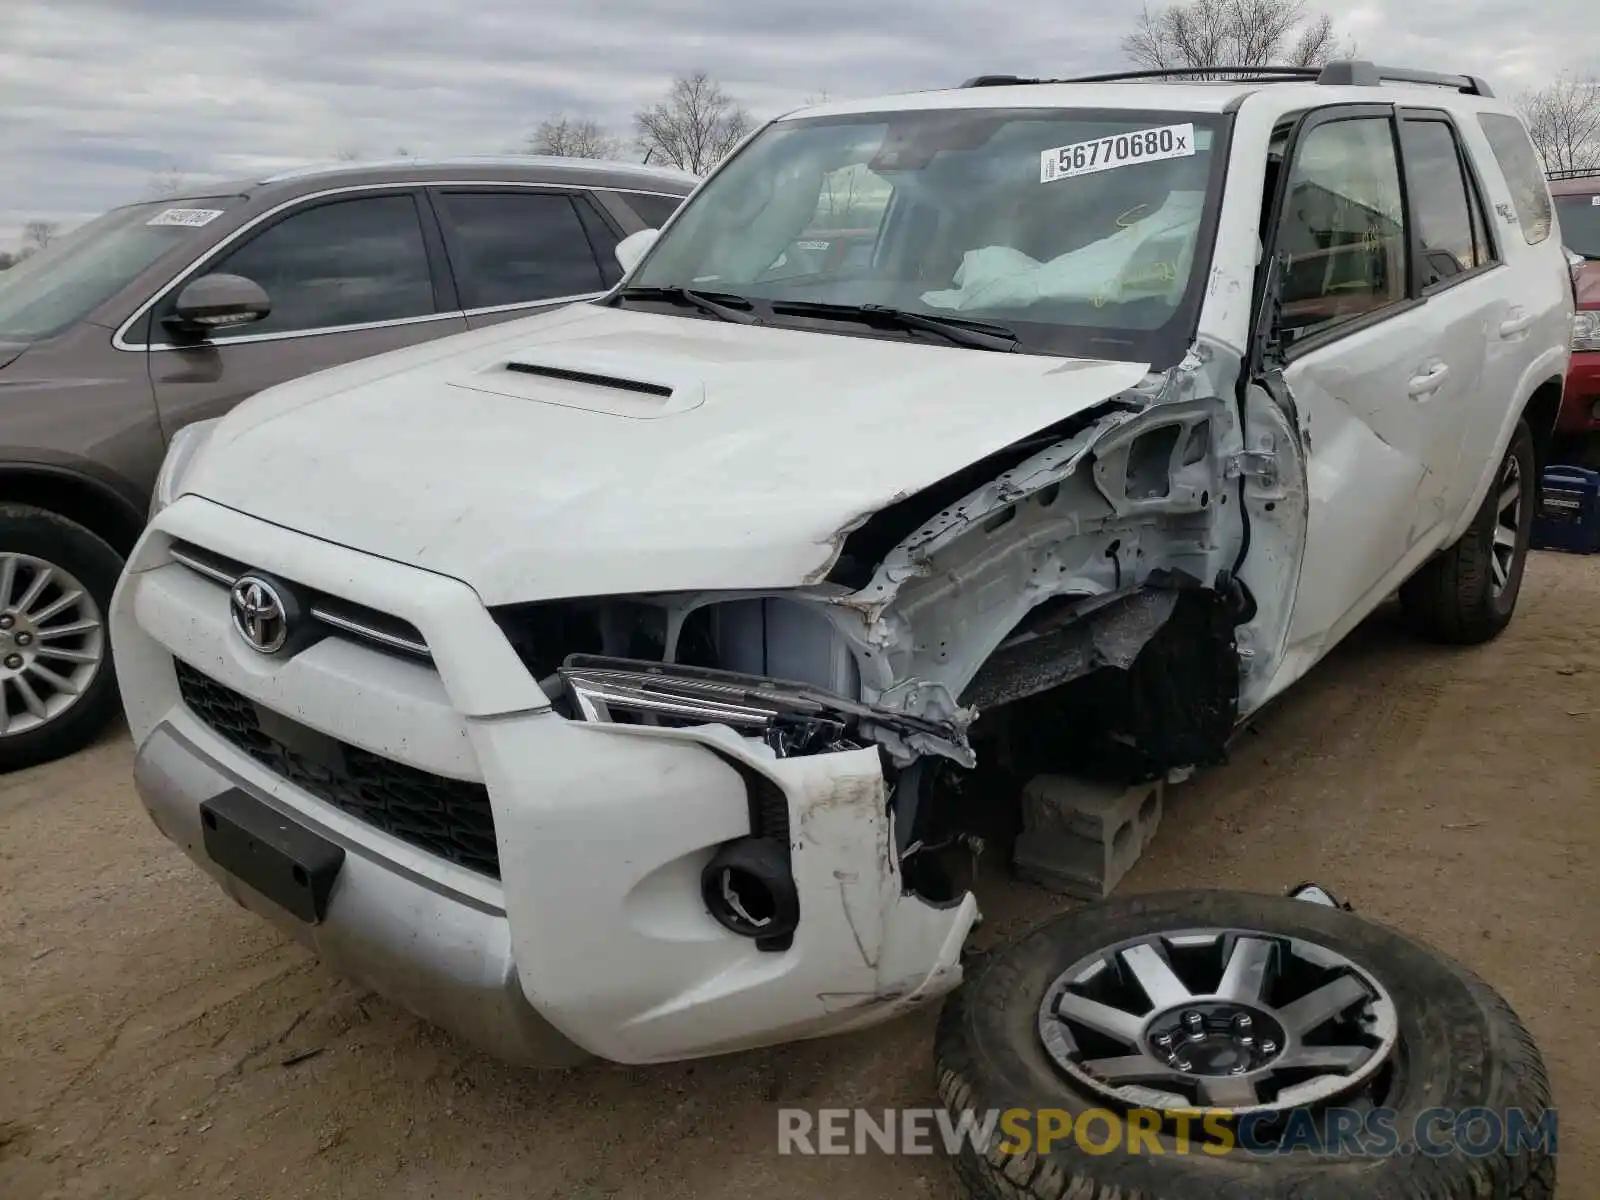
{"points": [[1344, 73]]}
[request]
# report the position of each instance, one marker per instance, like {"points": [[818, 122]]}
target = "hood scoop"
{"points": [[594, 380], [602, 381]]}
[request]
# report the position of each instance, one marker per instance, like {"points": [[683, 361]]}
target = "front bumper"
{"points": [[1580, 401], [594, 940]]}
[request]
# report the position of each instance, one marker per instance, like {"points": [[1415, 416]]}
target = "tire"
{"points": [[1457, 597], [79, 563], [1457, 1045]]}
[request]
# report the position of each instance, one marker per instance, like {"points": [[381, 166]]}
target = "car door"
{"points": [[1360, 363], [348, 275], [516, 251], [1468, 310]]}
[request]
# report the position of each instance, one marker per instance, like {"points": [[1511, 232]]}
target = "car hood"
{"points": [[593, 451]]}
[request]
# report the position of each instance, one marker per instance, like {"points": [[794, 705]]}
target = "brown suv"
{"points": [[161, 314]]}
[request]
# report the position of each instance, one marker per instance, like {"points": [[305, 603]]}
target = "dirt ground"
{"points": [[158, 1040]]}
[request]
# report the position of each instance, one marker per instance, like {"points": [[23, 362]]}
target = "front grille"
{"points": [[333, 614], [447, 817]]}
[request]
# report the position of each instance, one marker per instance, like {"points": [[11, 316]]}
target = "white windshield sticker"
{"points": [[189, 217], [1119, 150]]}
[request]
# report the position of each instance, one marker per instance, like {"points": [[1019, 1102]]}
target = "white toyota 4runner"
{"points": [[606, 683]]}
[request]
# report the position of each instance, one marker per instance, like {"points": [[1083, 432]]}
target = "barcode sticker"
{"points": [[1119, 150], [191, 218]]}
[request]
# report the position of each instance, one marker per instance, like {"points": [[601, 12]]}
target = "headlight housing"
{"points": [[181, 452], [1586, 330]]}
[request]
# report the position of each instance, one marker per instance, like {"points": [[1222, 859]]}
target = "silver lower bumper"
{"points": [[444, 956]]}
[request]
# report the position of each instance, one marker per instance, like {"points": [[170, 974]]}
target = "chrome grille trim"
{"points": [[323, 609]]}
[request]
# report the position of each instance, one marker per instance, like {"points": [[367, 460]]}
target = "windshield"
{"points": [[1083, 232], [49, 292], [1580, 224]]}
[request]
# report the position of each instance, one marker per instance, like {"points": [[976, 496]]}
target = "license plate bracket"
{"points": [[278, 857]]}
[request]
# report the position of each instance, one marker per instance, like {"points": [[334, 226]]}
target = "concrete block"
{"points": [[1081, 838]]}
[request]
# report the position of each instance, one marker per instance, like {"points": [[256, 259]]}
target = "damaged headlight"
{"points": [[791, 718]]}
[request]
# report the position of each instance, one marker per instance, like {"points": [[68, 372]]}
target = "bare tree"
{"points": [[573, 137], [1231, 33], [36, 235], [1564, 122], [694, 128]]}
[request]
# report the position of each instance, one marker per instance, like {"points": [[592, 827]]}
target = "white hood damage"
{"points": [[597, 452]]}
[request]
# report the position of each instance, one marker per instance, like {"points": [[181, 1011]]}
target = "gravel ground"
{"points": [[160, 1041]]}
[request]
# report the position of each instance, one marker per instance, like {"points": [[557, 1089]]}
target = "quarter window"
{"points": [[1443, 205], [517, 247], [1341, 244], [653, 210], [1519, 163], [349, 262]]}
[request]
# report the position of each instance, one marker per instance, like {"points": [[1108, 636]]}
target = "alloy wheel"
{"points": [[1229, 1019], [52, 642], [1507, 524]]}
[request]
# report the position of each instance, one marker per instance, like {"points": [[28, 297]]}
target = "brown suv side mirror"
{"points": [[215, 302]]}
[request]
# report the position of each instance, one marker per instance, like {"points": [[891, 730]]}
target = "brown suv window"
{"points": [[517, 247], [1443, 205], [1342, 242], [347, 262]]}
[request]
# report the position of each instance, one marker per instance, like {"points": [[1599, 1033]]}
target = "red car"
{"points": [[1578, 205]]}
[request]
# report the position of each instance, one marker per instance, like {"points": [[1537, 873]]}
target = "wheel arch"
{"points": [[1542, 387], [96, 505], [1540, 412]]}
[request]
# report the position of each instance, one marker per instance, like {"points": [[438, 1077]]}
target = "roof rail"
{"points": [[1357, 73], [1345, 73]]}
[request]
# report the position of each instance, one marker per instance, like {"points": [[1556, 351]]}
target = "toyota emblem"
{"points": [[259, 614]]}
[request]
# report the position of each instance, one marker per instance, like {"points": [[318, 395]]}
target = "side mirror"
{"points": [[215, 302], [633, 247]]}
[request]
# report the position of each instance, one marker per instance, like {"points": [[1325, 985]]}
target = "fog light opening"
{"points": [[749, 888], [748, 898]]}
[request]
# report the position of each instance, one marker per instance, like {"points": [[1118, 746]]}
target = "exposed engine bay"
{"points": [[1069, 605]]}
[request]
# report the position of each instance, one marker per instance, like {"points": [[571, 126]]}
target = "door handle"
{"points": [[1429, 381], [1517, 323]]}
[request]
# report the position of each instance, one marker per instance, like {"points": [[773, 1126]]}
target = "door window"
{"points": [[1450, 225], [349, 262], [1341, 244], [517, 247]]}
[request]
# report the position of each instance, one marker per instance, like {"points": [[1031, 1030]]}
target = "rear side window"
{"points": [[1443, 202], [1514, 151], [653, 210], [517, 247], [349, 262]]}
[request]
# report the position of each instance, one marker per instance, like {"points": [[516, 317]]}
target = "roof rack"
{"points": [[1344, 73]]}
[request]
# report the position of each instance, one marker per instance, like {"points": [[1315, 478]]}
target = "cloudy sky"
{"points": [[100, 97]]}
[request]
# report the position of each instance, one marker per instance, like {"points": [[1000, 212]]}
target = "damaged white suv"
{"points": [[609, 682]]}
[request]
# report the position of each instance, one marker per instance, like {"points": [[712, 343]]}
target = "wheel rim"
{"points": [[1507, 525], [52, 642], [1229, 1019]]}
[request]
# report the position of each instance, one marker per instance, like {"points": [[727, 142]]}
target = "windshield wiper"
{"points": [[708, 303], [983, 335]]}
